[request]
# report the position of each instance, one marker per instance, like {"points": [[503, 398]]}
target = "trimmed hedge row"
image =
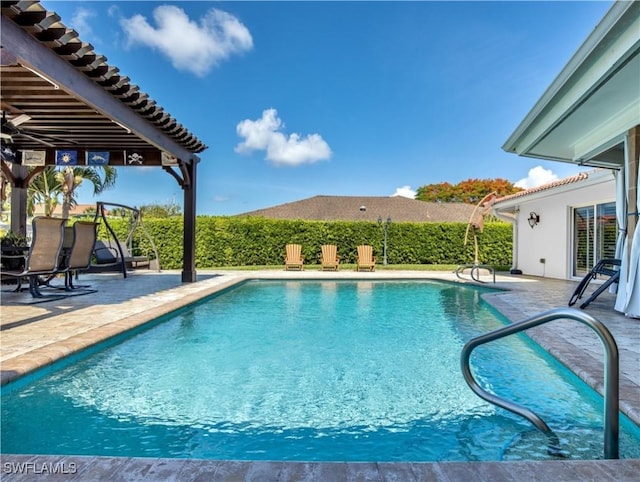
{"points": [[231, 241]]}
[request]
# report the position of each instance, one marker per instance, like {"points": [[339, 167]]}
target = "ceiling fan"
{"points": [[10, 129]]}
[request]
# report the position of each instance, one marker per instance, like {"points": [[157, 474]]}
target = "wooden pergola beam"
{"points": [[34, 55], [60, 82]]}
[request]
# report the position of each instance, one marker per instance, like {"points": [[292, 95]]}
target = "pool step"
{"points": [[576, 443]]}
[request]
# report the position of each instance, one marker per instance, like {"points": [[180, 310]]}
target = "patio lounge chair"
{"points": [[293, 259], [366, 260], [84, 239], [608, 267], [330, 259], [44, 253]]}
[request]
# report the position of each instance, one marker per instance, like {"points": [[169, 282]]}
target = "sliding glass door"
{"points": [[594, 236]]}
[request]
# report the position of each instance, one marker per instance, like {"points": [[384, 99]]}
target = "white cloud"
{"points": [[264, 135], [113, 11], [537, 177], [405, 191], [80, 21], [192, 46]]}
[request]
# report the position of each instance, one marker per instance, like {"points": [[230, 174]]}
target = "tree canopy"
{"points": [[470, 191], [54, 185], [161, 210]]}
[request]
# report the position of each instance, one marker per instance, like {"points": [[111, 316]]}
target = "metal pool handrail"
{"points": [[475, 268], [611, 376]]}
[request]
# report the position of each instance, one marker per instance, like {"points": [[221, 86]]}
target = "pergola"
{"points": [[61, 101], [590, 115]]}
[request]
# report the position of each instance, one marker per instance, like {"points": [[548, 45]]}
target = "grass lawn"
{"points": [[347, 267]]}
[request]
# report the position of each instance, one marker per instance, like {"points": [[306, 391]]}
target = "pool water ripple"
{"points": [[304, 371]]}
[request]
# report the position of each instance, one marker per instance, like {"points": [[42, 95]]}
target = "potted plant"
{"points": [[13, 250]]}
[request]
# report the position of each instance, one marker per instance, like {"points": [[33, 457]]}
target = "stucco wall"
{"points": [[551, 239]]}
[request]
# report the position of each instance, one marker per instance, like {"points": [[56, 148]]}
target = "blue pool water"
{"points": [[324, 371]]}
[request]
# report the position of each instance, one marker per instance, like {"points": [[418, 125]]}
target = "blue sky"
{"points": [[297, 99]]}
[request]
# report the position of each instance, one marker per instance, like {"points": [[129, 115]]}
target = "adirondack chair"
{"points": [[330, 259], [366, 260], [293, 258]]}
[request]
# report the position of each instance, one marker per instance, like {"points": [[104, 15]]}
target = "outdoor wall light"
{"points": [[533, 219]]}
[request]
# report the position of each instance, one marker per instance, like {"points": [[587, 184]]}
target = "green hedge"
{"points": [[231, 241]]}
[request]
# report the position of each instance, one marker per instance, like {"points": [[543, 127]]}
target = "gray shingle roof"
{"points": [[348, 208]]}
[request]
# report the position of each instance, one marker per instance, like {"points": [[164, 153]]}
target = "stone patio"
{"points": [[36, 335]]}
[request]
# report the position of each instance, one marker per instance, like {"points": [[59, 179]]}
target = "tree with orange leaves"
{"points": [[470, 191]]}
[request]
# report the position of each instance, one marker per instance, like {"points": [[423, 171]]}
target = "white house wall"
{"points": [[546, 249]]}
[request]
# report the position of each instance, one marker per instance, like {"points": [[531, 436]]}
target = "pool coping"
{"points": [[47, 355], [589, 369], [189, 469], [82, 469]]}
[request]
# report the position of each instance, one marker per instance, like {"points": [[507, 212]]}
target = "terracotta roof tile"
{"points": [[77, 210], [581, 176]]}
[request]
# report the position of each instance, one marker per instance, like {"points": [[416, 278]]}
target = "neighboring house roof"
{"points": [[77, 210], [349, 208], [566, 183]]}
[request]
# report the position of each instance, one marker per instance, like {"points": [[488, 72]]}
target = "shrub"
{"points": [[253, 241]]}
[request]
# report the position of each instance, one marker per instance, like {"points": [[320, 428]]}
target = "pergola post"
{"points": [[19, 201], [104, 113], [189, 228]]}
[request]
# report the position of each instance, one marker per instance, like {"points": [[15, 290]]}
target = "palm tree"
{"points": [[43, 189], [52, 184]]}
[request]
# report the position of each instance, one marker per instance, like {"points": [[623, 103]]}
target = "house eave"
{"points": [[583, 180], [597, 79]]}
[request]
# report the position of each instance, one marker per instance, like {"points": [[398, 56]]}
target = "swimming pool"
{"points": [[308, 371]]}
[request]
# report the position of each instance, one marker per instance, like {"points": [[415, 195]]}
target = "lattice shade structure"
{"points": [[62, 100], [51, 104]]}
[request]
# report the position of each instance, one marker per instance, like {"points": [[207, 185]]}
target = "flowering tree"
{"points": [[470, 191]]}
